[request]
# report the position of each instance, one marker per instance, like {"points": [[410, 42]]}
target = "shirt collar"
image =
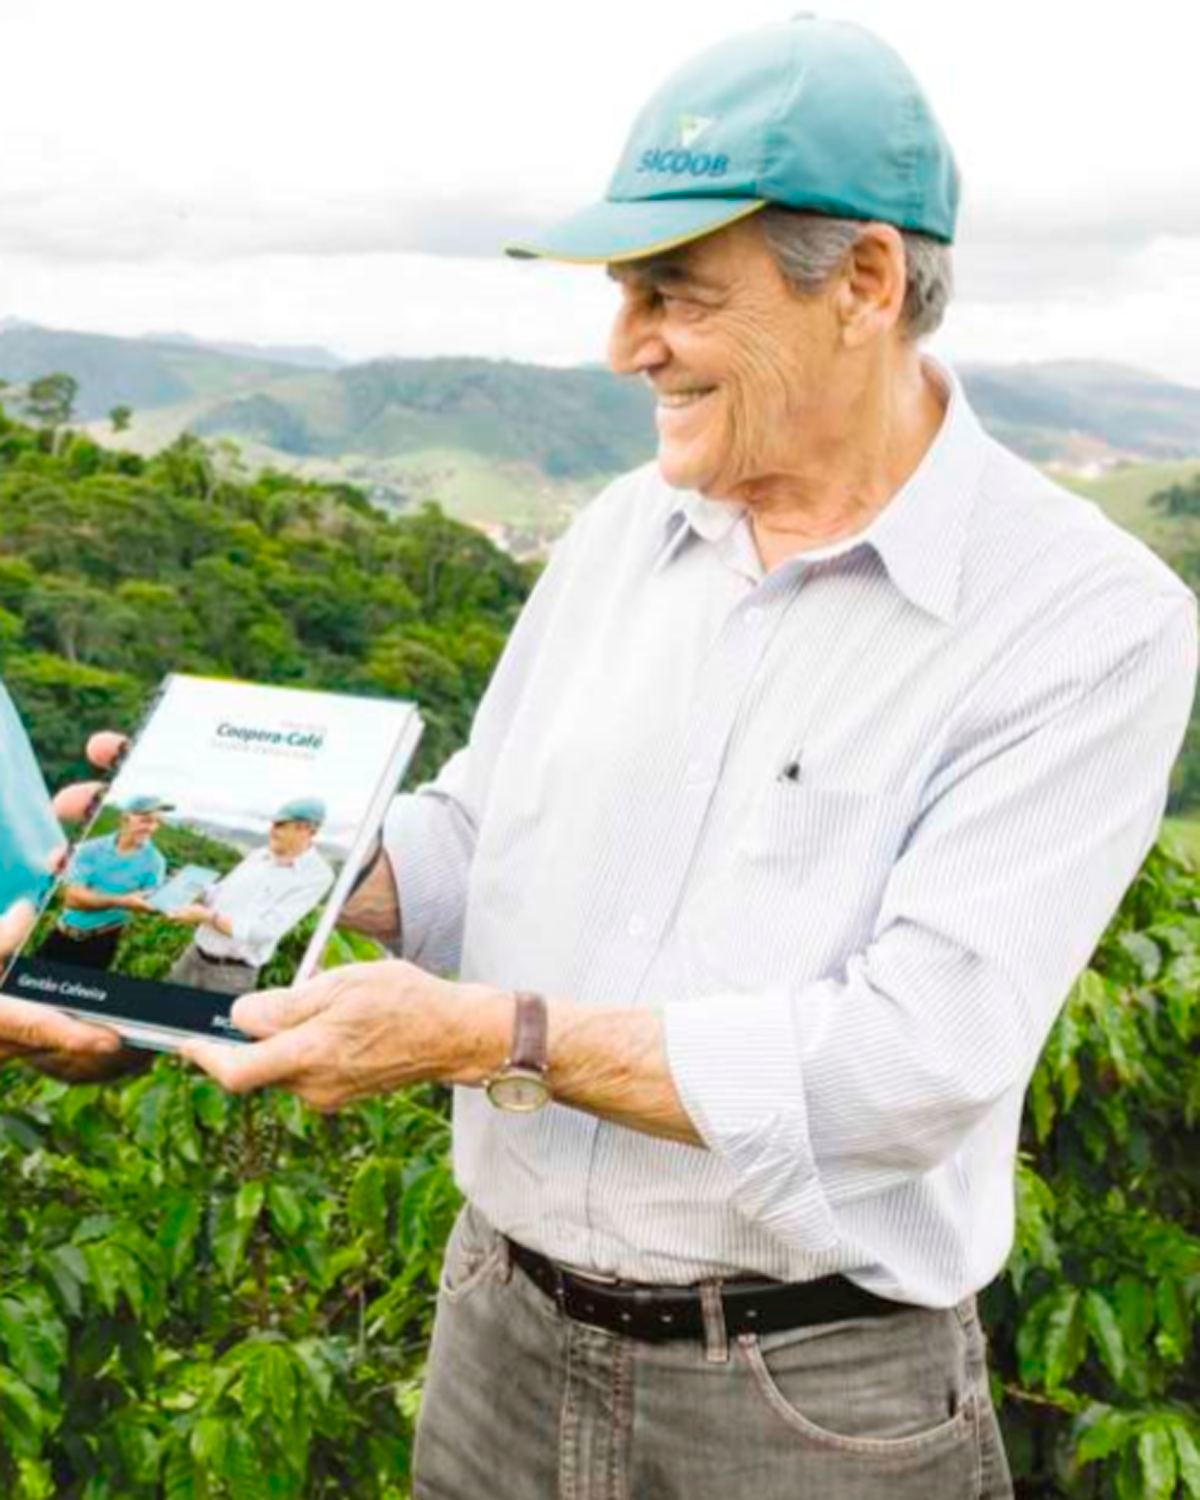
{"points": [[920, 535]]}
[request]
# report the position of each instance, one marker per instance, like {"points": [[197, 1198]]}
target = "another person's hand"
{"points": [[137, 903], [359, 1031], [55, 1043], [47, 1038], [195, 915]]}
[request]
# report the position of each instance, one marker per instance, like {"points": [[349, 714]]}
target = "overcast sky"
{"points": [[343, 172]]}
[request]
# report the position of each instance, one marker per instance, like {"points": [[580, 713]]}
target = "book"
{"points": [[183, 888], [219, 857]]}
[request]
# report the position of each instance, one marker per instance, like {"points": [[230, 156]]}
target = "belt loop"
{"points": [[716, 1340]]}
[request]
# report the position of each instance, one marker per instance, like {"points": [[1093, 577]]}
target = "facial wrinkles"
{"points": [[762, 398]]}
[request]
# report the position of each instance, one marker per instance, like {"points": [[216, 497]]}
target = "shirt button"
{"points": [[754, 616], [637, 927], [695, 772]]}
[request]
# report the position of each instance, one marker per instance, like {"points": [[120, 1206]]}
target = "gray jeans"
{"points": [[523, 1403], [222, 979]]}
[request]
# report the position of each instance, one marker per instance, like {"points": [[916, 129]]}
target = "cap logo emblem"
{"points": [[692, 127]]}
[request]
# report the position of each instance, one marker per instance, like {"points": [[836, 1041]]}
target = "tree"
{"points": [[1179, 499], [120, 417], [50, 401]]}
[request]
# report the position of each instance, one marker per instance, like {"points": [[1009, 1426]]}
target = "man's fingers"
{"points": [[73, 802], [106, 748], [270, 1011], [38, 1028], [15, 926], [276, 1061]]}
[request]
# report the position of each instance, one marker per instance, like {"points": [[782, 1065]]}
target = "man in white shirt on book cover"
{"points": [[247, 914]]}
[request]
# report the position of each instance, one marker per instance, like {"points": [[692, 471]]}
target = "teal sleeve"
{"points": [[83, 862], [29, 833]]}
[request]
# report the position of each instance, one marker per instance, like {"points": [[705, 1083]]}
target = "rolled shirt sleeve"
{"points": [[1026, 842]]}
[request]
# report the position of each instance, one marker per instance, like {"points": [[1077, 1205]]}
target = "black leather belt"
{"points": [[85, 934], [223, 963], [655, 1314]]}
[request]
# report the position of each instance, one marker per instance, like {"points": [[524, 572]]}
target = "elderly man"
{"points": [[810, 777], [107, 882], [246, 915]]}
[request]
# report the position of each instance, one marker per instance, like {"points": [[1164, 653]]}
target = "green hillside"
{"points": [[113, 567], [1125, 494]]}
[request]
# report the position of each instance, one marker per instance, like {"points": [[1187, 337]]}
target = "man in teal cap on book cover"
{"points": [[106, 885]]}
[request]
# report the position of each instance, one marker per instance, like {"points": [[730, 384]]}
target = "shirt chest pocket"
{"points": [[794, 832], [794, 883]]}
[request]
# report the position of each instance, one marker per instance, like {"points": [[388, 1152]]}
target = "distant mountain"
{"points": [[130, 372], [515, 444], [1082, 409], [563, 423], [303, 356]]}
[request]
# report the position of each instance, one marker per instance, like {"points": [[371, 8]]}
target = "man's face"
{"points": [[139, 828], [290, 839], [741, 364]]}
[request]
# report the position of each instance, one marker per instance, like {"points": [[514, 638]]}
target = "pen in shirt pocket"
{"points": [[790, 770]]}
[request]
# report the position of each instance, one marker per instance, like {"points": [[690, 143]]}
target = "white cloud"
{"points": [[287, 170]]}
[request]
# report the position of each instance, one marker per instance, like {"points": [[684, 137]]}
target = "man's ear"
{"points": [[871, 289]]}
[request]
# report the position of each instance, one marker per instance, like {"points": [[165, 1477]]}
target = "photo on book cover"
{"points": [[219, 857]]}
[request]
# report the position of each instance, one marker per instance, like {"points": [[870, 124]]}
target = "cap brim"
{"points": [[612, 231]]}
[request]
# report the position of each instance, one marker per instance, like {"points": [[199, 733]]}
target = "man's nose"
{"points": [[635, 344]]}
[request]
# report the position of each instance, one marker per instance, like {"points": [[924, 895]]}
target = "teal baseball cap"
{"points": [[146, 802], [809, 113], [301, 810]]}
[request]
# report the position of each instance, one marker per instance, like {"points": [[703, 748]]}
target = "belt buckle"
{"points": [[595, 1277]]}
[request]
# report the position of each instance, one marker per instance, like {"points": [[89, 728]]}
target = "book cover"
{"points": [[219, 857]]}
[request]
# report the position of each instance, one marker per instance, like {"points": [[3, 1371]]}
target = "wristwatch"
{"points": [[520, 1085]]}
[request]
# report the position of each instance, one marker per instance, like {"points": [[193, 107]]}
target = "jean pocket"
{"points": [[474, 1252], [880, 1388]]}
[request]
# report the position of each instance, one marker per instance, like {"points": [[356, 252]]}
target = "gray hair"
{"points": [[810, 247]]}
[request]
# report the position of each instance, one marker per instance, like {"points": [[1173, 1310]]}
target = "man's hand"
{"points": [[359, 1031], [50, 1041], [138, 903], [195, 915], [47, 1038]]}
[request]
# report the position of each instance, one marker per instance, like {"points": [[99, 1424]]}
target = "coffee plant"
{"points": [[203, 1297]]}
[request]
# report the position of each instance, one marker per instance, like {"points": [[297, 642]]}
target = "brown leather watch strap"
{"points": [[530, 1033]]}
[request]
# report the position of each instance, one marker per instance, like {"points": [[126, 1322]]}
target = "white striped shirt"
{"points": [[858, 961]]}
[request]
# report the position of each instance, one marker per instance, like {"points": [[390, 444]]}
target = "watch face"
{"points": [[523, 1092]]}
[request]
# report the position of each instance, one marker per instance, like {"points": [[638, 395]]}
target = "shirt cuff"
{"points": [[736, 1062], [430, 874]]}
